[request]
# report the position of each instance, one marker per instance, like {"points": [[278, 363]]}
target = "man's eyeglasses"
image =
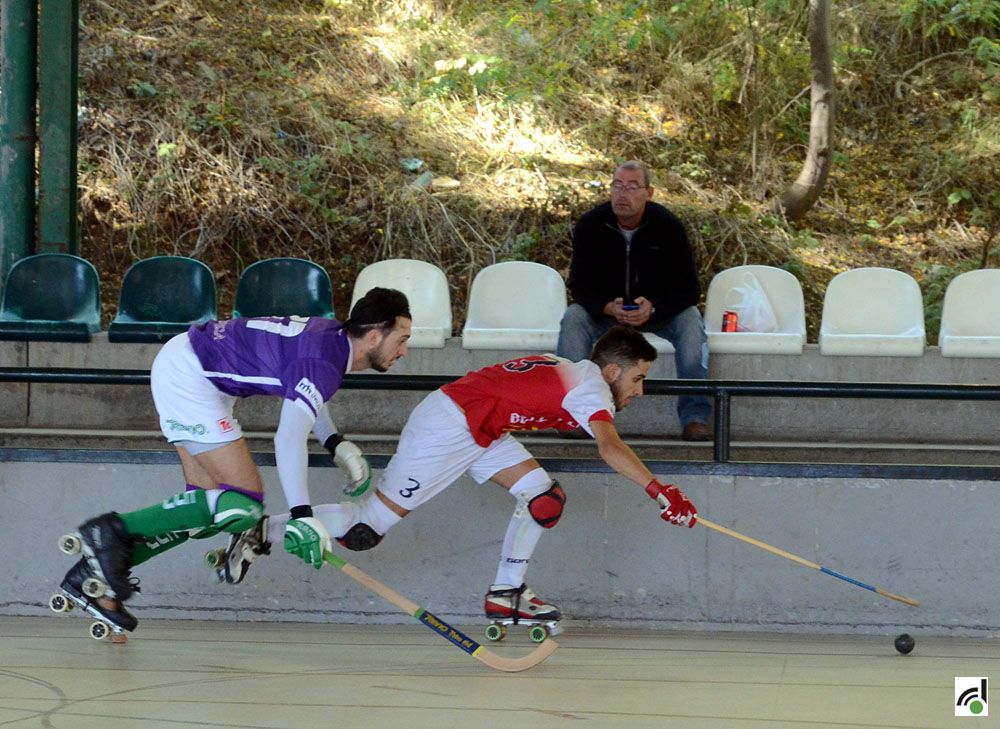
{"points": [[630, 187]]}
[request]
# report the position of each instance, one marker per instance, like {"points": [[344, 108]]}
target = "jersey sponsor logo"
{"points": [[518, 419], [179, 427], [540, 422], [225, 425], [310, 393]]}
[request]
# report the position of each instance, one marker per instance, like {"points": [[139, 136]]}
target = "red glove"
{"points": [[674, 505]]}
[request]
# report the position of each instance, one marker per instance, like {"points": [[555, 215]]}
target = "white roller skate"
{"points": [[231, 564], [505, 605], [81, 588]]}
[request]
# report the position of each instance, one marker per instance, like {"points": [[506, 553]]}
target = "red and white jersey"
{"points": [[532, 393]]}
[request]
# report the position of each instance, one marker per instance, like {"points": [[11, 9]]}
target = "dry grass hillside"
{"points": [[237, 130]]}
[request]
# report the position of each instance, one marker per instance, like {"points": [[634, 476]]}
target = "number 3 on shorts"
{"points": [[407, 493]]}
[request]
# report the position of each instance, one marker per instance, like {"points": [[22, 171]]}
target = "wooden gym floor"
{"points": [[175, 674]]}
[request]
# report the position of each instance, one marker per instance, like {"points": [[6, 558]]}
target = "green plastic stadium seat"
{"points": [[284, 287], [161, 297], [51, 297]]}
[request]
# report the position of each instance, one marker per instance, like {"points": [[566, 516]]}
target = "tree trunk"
{"points": [[803, 193]]}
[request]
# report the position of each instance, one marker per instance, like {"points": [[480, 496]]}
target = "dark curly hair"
{"points": [[378, 309]]}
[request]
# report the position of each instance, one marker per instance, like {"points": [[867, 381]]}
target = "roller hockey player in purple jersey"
{"points": [[196, 379]]}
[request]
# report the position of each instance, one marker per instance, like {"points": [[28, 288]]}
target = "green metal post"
{"points": [[58, 50], [17, 131]]}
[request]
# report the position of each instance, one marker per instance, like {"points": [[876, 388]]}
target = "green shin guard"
{"points": [[180, 513], [189, 512], [146, 548], [236, 512]]}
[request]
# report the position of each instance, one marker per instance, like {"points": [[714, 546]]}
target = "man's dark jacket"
{"points": [[658, 263]]}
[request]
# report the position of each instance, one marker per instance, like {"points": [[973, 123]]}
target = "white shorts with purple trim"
{"points": [[190, 407]]}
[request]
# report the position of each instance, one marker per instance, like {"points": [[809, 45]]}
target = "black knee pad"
{"points": [[360, 537], [546, 508]]}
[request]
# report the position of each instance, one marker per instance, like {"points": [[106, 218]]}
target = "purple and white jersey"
{"points": [[303, 359]]}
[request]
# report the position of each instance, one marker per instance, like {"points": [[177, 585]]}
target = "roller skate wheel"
{"points": [[70, 544], [93, 587], [215, 557], [99, 630], [495, 632], [538, 633], [555, 629], [59, 604]]}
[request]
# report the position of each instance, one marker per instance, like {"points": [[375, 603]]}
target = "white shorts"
{"points": [[189, 405], [436, 448]]}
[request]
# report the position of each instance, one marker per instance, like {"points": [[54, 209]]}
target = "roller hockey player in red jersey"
{"points": [[465, 427]]}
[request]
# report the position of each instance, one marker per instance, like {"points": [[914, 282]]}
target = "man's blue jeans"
{"points": [[686, 331]]}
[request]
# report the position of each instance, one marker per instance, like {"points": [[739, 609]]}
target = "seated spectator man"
{"points": [[632, 265]]}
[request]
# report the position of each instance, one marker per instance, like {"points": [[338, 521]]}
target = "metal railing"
{"points": [[721, 391]]}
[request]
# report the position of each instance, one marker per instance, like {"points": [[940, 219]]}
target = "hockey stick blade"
{"points": [[439, 626]]}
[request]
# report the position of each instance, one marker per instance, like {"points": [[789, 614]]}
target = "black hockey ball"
{"points": [[905, 643]]}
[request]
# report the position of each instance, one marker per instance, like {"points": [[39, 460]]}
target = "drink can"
{"points": [[729, 321]]}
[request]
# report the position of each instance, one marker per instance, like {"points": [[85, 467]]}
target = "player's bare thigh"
{"points": [[230, 464]]}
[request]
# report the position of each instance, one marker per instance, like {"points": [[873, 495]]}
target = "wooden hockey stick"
{"points": [[805, 562], [467, 644]]}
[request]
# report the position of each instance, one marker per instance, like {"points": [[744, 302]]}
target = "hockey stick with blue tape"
{"points": [[439, 626], [805, 562]]}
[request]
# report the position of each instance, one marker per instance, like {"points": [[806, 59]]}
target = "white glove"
{"points": [[352, 462], [307, 539]]}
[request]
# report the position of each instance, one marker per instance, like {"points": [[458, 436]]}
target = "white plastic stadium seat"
{"points": [[426, 288], [873, 312], [785, 295], [515, 305], [969, 325]]}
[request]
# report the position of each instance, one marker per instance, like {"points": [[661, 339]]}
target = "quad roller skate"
{"points": [[506, 606], [81, 588], [107, 549], [232, 562]]}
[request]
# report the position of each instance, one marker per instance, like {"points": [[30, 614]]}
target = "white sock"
{"points": [[523, 532]]}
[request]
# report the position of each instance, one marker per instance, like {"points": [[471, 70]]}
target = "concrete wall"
{"points": [[610, 562], [13, 396], [131, 407]]}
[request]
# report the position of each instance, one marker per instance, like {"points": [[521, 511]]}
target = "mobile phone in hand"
{"points": [[630, 307]]}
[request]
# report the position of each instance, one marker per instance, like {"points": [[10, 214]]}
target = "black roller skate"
{"points": [[83, 589], [505, 605], [108, 550], [231, 564]]}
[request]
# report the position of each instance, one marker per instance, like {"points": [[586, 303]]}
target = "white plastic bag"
{"points": [[753, 309]]}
